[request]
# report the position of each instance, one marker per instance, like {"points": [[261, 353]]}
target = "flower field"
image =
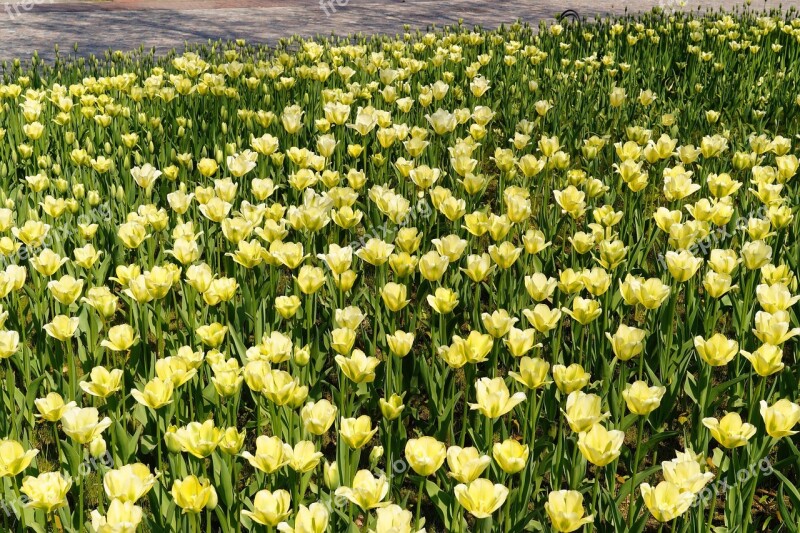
{"points": [[530, 279]]}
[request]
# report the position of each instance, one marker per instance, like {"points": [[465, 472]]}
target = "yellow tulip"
{"points": [[281, 388], [304, 457], [565, 510], [391, 408], [651, 293], [570, 378], [755, 254], [52, 407], [682, 265], [271, 454], [532, 372], [498, 323], [318, 416], [627, 342], [193, 494], [120, 338], [425, 455], [717, 350], [66, 290], [776, 297], [400, 343], [583, 411], [443, 300], [394, 296], [310, 279], [199, 439], [339, 259], [510, 455], [83, 424], [311, 519], [47, 491], [213, 334], [393, 519], [120, 517], [584, 310], [730, 431], [175, 369], [270, 508], [686, 473], [542, 317], [358, 367], [466, 464], [129, 483], [132, 234], [433, 266], [342, 340], [773, 328], [103, 383], [232, 440], [600, 446], [367, 491], [642, 399], [62, 327], [519, 341], [493, 399], [478, 267], [504, 255], [666, 501], [356, 432], [375, 252], [766, 359], [780, 417], [287, 306], [13, 457], [481, 497], [48, 262], [9, 343], [535, 241], [475, 348]]}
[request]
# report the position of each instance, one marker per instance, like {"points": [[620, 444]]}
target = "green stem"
{"points": [[419, 504], [634, 471]]}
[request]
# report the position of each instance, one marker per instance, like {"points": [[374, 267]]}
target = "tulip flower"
{"points": [[481, 497], [193, 494], [730, 431], [120, 516], [425, 455], [565, 510], [665, 501], [14, 458], [493, 399], [129, 483], [269, 508], [780, 417], [367, 491], [47, 491]]}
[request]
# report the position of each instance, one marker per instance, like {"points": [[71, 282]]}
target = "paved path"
{"points": [[125, 24]]}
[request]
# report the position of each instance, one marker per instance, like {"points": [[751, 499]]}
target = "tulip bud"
{"points": [[97, 447], [375, 456], [173, 445], [331, 475], [302, 355]]}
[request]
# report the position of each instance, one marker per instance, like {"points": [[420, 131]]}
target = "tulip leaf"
{"points": [[443, 502]]}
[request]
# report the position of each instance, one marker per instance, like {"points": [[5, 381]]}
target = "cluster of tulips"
{"points": [[530, 279]]}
